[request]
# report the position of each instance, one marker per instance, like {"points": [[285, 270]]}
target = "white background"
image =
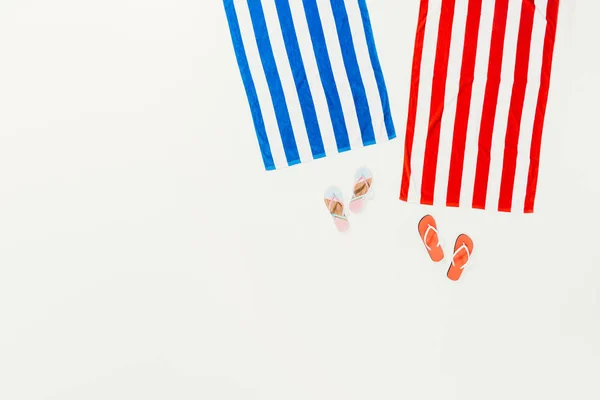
{"points": [[146, 254]]}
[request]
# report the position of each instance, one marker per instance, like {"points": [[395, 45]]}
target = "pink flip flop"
{"points": [[363, 179], [335, 206]]}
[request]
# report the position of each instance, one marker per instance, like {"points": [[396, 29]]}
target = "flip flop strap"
{"points": [[362, 178], [359, 197], [430, 228], [334, 198], [462, 246]]}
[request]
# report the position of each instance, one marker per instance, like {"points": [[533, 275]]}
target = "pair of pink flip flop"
{"points": [[363, 179], [463, 247]]}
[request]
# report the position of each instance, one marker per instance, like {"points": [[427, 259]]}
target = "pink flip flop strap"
{"points": [[334, 198], [362, 178]]}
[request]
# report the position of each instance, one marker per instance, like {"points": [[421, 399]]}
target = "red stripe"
{"points": [[463, 103], [488, 114], [515, 112], [413, 99], [438, 92], [540, 112]]}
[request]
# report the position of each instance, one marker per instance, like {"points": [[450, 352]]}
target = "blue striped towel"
{"points": [[312, 77]]}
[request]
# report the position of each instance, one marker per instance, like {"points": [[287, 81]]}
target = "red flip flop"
{"points": [[463, 248], [430, 238]]}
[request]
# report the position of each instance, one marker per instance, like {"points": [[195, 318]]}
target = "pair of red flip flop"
{"points": [[463, 247]]}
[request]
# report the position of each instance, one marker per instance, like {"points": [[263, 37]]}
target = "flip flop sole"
{"points": [[456, 270], [357, 206], [363, 172], [333, 192], [436, 253]]}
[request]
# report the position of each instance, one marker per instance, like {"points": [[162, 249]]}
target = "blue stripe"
{"points": [[352, 70], [267, 59], [317, 37], [242, 60], [383, 94], [307, 103]]}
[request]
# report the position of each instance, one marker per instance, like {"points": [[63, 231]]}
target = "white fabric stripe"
{"points": [[541, 7], [262, 89], [339, 71], [480, 78], [529, 107], [452, 87], [313, 77], [287, 81], [366, 70], [424, 103], [502, 109]]}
